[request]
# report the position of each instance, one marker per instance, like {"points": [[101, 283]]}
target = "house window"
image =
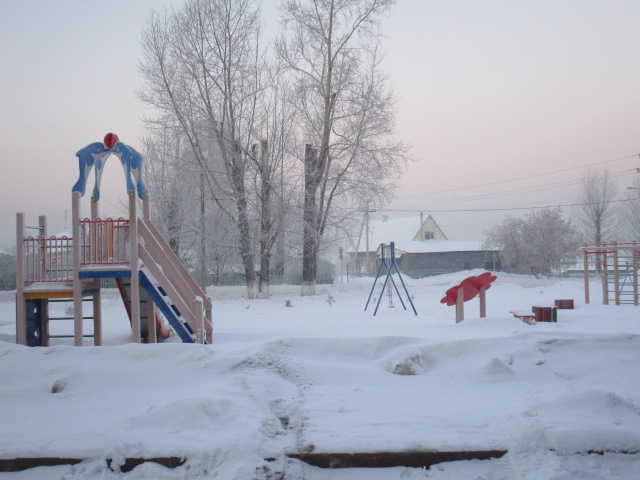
{"points": [[428, 235]]}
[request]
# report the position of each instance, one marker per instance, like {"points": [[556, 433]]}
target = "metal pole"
{"points": [[366, 218], [585, 261], [202, 237]]}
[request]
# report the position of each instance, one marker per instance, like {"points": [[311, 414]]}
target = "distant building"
{"points": [[422, 248]]}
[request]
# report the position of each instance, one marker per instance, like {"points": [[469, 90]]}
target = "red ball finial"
{"points": [[110, 140]]}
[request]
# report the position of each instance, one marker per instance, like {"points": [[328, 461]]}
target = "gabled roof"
{"points": [[429, 226]]}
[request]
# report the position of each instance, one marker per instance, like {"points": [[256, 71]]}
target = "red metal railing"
{"points": [[104, 241], [48, 259]]}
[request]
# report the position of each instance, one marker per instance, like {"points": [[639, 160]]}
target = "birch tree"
{"points": [[345, 108], [202, 64]]}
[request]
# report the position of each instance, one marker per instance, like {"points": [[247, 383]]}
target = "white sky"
{"points": [[487, 92]]}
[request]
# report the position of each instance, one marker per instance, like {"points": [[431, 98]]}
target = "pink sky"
{"points": [[487, 92]]}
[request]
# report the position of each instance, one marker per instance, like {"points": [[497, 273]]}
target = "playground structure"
{"points": [[619, 270], [132, 251], [467, 290], [391, 251]]}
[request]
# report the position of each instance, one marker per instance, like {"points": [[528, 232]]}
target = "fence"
{"points": [[104, 242], [47, 259]]}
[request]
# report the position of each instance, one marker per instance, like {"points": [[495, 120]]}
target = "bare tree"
{"points": [[596, 213], [345, 108], [168, 178], [202, 65], [541, 242], [507, 238], [597, 210], [629, 220]]}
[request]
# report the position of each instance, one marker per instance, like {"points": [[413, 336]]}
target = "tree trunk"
{"points": [[309, 240], [265, 220], [237, 174]]}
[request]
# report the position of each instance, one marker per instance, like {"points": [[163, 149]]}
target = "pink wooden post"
{"points": [[135, 274], [21, 311], [209, 323], [151, 311], [77, 284], [199, 311], [146, 208], [97, 303]]}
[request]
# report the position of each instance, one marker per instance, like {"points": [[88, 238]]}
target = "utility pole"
{"points": [[203, 267], [366, 222]]}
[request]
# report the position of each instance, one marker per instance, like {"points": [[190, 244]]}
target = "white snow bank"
{"points": [[328, 376]]}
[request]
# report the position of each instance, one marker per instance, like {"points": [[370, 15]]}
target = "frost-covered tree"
{"points": [[168, 178], [345, 112], [597, 211], [202, 66], [629, 213], [542, 241]]}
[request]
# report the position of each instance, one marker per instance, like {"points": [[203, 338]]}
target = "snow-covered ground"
{"points": [[324, 375]]}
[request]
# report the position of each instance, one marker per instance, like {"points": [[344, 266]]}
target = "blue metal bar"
{"points": [[382, 263], [169, 311]]}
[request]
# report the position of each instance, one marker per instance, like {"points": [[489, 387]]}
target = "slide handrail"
{"points": [[174, 277]]}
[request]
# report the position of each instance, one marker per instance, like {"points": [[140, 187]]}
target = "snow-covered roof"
{"points": [[434, 246], [401, 231]]}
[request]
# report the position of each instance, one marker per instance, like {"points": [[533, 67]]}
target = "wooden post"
{"points": [[460, 305], [199, 311], [44, 322], [483, 302], [151, 310], [77, 284], [585, 261], [146, 208], [21, 311], [97, 302], [135, 274], [208, 316]]}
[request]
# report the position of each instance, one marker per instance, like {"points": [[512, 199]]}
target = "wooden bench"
{"points": [[565, 304], [545, 314], [526, 317]]}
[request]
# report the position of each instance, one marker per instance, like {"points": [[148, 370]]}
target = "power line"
{"points": [[531, 189], [522, 178], [501, 209]]}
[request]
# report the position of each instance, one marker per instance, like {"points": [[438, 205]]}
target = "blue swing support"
{"points": [[391, 249]]}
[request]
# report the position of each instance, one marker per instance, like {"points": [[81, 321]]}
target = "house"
{"points": [[422, 248]]}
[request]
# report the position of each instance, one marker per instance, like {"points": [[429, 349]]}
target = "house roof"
{"points": [[433, 246], [402, 231]]}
